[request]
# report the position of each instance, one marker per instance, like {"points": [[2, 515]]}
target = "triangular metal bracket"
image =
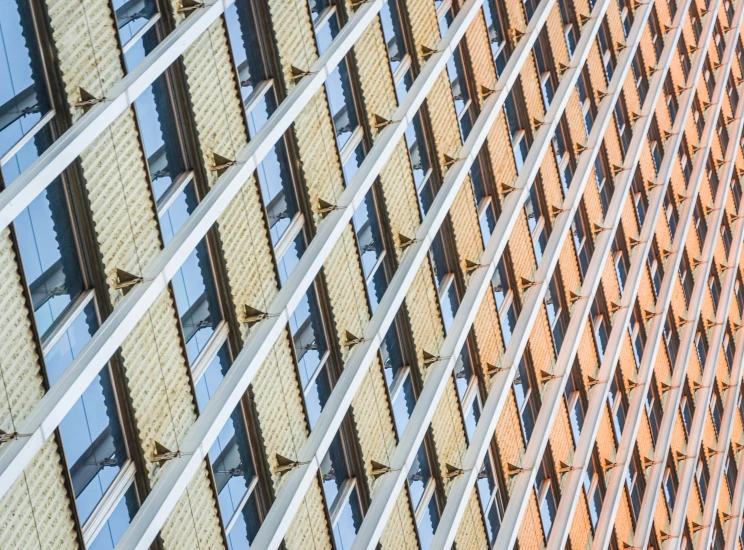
{"points": [[163, 453], [378, 468], [189, 5], [252, 316], [284, 464], [125, 281], [452, 471], [220, 164], [87, 100]]}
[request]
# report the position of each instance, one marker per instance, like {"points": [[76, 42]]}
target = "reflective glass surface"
{"points": [[23, 93], [91, 432], [49, 255], [193, 285], [117, 522]]}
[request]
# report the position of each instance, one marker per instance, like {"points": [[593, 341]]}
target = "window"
{"points": [[657, 36], [527, 400], [726, 236], [729, 348], [468, 391], [671, 338], [620, 258], [739, 291], [618, 405], [685, 275], [231, 458], [557, 312], [371, 248], [536, 222], [670, 209], [504, 296], [541, 51], [259, 100], [701, 344], [594, 490], [686, 408], [160, 133], [655, 267], [701, 224], [338, 84], [702, 477], [580, 231], [608, 57], [697, 115], [485, 198], [575, 401], [25, 108], [563, 159], [671, 97], [394, 38], [91, 433], [341, 494], [731, 470], [398, 378], [547, 498], [733, 93], [657, 145], [709, 76], [422, 486], [496, 34], [715, 288], [716, 408], [653, 409], [444, 272], [684, 58], [569, 29], [640, 200], [637, 335], [604, 182], [517, 126], [736, 193], [491, 497], [626, 15], [634, 484], [462, 95], [669, 485], [194, 287], [418, 154], [639, 75], [136, 22], [622, 121], [600, 325]]}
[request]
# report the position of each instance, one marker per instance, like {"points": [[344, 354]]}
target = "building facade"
{"points": [[371, 273]]}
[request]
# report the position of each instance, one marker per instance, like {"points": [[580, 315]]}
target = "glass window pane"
{"points": [[23, 94], [117, 523], [91, 432], [49, 256]]}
